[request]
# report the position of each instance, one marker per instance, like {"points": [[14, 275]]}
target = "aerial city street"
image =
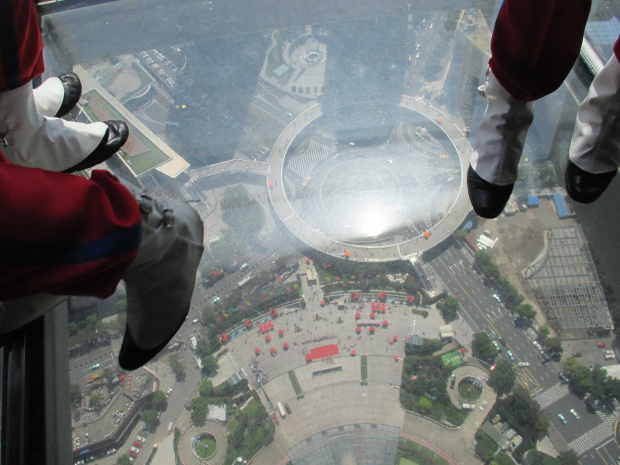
{"points": [[346, 284]]}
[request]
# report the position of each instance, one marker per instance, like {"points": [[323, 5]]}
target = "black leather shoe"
{"points": [[487, 199], [114, 138], [73, 91], [132, 357], [584, 187]]}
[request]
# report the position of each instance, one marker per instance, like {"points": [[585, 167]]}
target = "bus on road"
{"points": [[193, 342], [281, 410]]}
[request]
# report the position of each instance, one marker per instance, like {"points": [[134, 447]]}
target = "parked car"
{"points": [[138, 444], [562, 419], [499, 349], [577, 354], [141, 439], [563, 377], [574, 413], [95, 366], [601, 345], [524, 364], [133, 454], [135, 449], [288, 409]]}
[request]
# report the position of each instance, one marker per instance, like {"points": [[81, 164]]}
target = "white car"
{"points": [[524, 364], [575, 414], [135, 449], [496, 297], [483, 406], [141, 439]]}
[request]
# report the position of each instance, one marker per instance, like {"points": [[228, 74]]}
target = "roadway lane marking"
{"points": [[491, 324]]}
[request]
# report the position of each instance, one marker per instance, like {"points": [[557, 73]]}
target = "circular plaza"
{"points": [[371, 181]]}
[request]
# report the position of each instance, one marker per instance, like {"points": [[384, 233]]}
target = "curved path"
{"points": [[389, 252], [210, 426]]}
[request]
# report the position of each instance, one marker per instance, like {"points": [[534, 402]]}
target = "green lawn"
{"points": [[231, 425], [205, 448], [142, 162], [535, 457], [251, 408], [469, 392], [410, 452], [294, 382]]}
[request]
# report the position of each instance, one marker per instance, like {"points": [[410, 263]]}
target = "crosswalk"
{"points": [[591, 438], [304, 163], [551, 395]]}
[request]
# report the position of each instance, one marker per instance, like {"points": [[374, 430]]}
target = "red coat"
{"points": [[21, 47], [62, 234]]}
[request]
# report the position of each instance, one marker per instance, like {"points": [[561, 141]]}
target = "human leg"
{"points": [[594, 154], [534, 46], [29, 137]]}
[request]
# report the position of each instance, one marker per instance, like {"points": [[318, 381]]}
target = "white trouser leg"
{"points": [[595, 146], [161, 279], [48, 97], [501, 136], [30, 139]]}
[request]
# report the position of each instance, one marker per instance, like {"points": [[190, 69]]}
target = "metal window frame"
{"points": [[35, 393]]}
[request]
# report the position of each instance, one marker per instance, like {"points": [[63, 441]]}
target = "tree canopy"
{"points": [[503, 377], [483, 348], [199, 409], [523, 414]]}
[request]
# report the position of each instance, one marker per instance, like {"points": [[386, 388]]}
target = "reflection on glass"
{"points": [[349, 307]]}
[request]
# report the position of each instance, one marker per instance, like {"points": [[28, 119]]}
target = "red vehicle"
{"points": [[138, 444], [601, 345], [133, 454]]}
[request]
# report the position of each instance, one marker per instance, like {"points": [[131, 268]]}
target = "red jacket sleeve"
{"points": [[62, 234]]}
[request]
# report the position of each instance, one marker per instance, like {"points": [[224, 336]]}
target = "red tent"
{"points": [[372, 316], [358, 329], [385, 322], [281, 278], [273, 312], [224, 337], [463, 350], [308, 261], [240, 307], [382, 295], [396, 357], [383, 308], [257, 351], [322, 303], [281, 332], [267, 338], [391, 343], [372, 329], [356, 295], [410, 299], [285, 345], [358, 316], [353, 352], [248, 323], [395, 337], [273, 351], [373, 305], [308, 358]]}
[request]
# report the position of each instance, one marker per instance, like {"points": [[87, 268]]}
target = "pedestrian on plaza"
{"points": [[533, 48]]}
